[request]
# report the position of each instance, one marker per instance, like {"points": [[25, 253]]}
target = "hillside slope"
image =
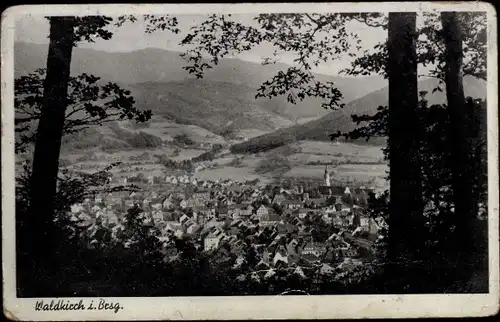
{"points": [[340, 120], [219, 107], [161, 66]]}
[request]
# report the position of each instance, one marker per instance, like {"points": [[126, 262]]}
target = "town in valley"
{"points": [[286, 226]]}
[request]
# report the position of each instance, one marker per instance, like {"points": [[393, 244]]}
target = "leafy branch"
{"points": [[89, 103]]}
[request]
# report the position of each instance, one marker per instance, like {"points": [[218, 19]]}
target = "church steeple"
{"points": [[327, 177]]}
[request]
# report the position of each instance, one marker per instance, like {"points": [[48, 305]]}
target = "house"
{"points": [[158, 216], [246, 201], [192, 203], [240, 211], [157, 206], [168, 204], [184, 220], [278, 199], [316, 202], [364, 223], [96, 208], [270, 219], [315, 249], [113, 219], [247, 211], [191, 228], [183, 204], [299, 272], [270, 273], [201, 196], [349, 252], [326, 270], [222, 212], [265, 199], [303, 212], [212, 241], [296, 222], [337, 221], [292, 204], [280, 258], [331, 190], [262, 265], [172, 226], [262, 211], [292, 246], [170, 216]]}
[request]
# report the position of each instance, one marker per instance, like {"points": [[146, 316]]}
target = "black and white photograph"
{"points": [[250, 161]]}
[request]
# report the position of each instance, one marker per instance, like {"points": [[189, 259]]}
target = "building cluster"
{"points": [[281, 228]]}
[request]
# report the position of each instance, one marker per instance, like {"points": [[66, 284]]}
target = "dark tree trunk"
{"points": [[462, 180], [48, 140], [406, 205]]}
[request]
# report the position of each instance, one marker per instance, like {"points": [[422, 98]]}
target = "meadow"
{"points": [[346, 163]]}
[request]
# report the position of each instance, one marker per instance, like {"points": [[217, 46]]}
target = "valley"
{"points": [[218, 125]]}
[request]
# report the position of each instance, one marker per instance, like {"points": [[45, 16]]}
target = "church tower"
{"points": [[327, 177]]}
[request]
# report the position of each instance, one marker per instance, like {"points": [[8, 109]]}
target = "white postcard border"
{"points": [[248, 307]]}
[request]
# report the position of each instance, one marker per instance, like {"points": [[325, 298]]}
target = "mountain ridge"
{"points": [[340, 120], [158, 65]]}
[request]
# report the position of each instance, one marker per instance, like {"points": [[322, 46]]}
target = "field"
{"points": [[346, 162], [168, 130]]}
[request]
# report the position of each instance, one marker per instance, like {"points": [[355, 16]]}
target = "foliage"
{"points": [[209, 155], [153, 23], [144, 140], [170, 164], [273, 140], [313, 38], [72, 188], [236, 162], [430, 48], [275, 162], [183, 139], [229, 133], [89, 103], [301, 34], [436, 173]]}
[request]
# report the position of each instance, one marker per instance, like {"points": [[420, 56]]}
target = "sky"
{"points": [[130, 37]]}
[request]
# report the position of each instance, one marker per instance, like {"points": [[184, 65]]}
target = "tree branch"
{"points": [[364, 20]]}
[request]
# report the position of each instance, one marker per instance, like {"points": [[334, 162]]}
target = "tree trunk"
{"points": [[462, 180], [48, 140], [406, 205]]}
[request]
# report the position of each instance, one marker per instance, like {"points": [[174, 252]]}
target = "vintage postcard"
{"points": [[249, 161]]}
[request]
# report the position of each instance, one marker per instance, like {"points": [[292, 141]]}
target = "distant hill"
{"points": [[340, 120], [160, 66], [219, 107]]}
